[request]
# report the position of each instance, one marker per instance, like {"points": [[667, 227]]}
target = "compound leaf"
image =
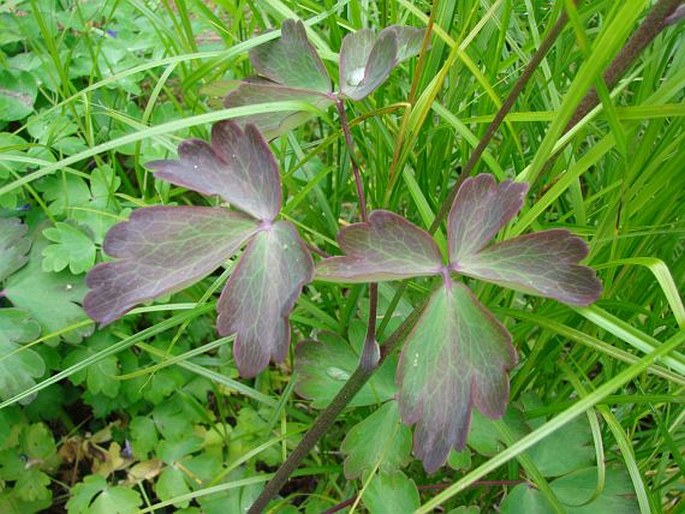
{"points": [[19, 367], [258, 298], [238, 166], [161, 250], [456, 357], [543, 263], [325, 365], [479, 210], [386, 247], [380, 441], [14, 245], [273, 124], [366, 61], [291, 60]]}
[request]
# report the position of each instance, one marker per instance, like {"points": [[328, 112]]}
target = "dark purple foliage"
{"points": [[164, 249], [458, 354]]}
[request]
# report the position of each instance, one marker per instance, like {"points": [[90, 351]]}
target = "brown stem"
{"points": [[340, 104], [499, 118], [657, 19], [370, 351]]}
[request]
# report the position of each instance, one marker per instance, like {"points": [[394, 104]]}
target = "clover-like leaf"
{"points": [[479, 210], [14, 245], [386, 247], [273, 124], [366, 60], [258, 298], [161, 250], [238, 166], [291, 60], [456, 357], [543, 263]]}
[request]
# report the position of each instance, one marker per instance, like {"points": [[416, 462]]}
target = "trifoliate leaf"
{"points": [[480, 209], [14, 245], [17, 95], [380, 441], [291, 60], [543, 263], [391, 493], [161, 250], [386, 247], [456, 357], [95, 496], [258, 298], [325, 365], [72, 248], [51, 298], [238, 166], [19, 366]]}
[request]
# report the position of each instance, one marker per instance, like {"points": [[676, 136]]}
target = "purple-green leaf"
{"points": [[238, 166], [386, 247], [258, 298], [291, 60], [366, 60], [409, 40], [543, 263], [456, 358], [273, 124], [161, 250], [480, 209]]}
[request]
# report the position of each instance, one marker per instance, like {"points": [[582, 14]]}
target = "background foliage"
{"points": [[148, 413]]}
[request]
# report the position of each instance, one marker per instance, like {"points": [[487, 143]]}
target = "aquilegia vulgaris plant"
{"points": [[458, 354]]}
